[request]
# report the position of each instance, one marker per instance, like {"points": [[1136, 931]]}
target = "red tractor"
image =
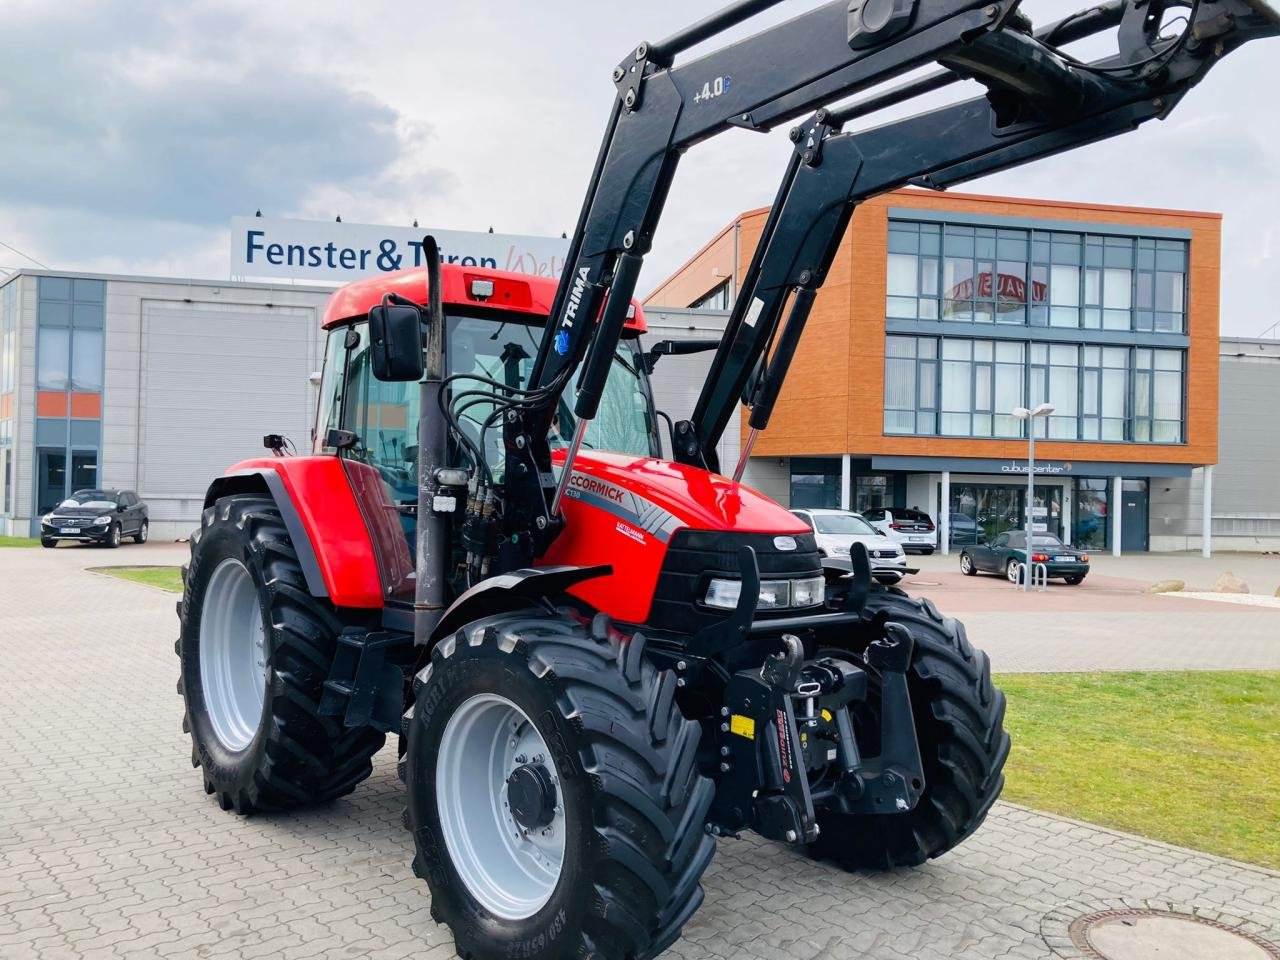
{"points": [[598, 662]]}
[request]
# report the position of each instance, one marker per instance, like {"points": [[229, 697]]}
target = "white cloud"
{"points": [[469, 115]]}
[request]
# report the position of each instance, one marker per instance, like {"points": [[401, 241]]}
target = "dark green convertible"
{"points": [[1007, 553]]}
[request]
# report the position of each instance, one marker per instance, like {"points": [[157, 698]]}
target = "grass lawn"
{"points": [[166, 578], [1188, 758], [19, 542]]}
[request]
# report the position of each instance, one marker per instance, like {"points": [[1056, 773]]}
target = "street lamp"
{"points": [[1022, 413]]}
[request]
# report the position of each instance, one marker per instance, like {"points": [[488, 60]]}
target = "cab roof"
{"points": [[518, 293]]}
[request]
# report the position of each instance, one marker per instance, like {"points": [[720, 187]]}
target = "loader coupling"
{"points": [[787, 740]]}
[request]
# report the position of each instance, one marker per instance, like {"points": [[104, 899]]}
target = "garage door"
{"points": [[214, 382]]}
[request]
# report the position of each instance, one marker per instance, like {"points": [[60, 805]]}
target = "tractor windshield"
{"points": [[383, 416]]}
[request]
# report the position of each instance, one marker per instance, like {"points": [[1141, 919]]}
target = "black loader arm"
{"points": [[1019, 120], [1040, 100]]}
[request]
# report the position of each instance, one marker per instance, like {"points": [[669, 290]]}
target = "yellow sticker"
{"points": [[743, 726], [826, 715]]}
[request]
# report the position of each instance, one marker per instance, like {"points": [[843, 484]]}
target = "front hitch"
{"points": [[763, 781], [893, 781]]}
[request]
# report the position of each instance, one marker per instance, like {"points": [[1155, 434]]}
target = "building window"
{"points": [[872, 492], [86, 360], [945, 271], [961, 387], [910, 385], [815, 482], [1157, 396], [717, 299], [53, 346]]}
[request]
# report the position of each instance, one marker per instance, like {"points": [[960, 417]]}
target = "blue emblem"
{"points": [[562, 342]]}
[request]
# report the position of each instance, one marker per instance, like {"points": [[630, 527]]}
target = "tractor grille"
{"points": [[695, 556]]}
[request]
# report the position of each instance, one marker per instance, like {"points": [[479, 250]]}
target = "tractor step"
{"points": [[366, 680]]}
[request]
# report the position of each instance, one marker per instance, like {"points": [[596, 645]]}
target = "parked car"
{"points": [[838, 530], [912, 529], [1008, 552], [104, 517]]}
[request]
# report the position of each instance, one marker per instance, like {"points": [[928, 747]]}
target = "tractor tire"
{"points": [[959, 718], [608, 862], [255, 649]]}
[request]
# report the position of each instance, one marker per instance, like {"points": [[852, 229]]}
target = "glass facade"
{"points": [[8, 392], [1091, 530], [980, 512], [962, 387], [947, 271], [815, 482], [70, 316]]}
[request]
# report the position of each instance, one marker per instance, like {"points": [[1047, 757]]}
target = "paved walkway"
{"points": [[109, 847], [1105, 623]]}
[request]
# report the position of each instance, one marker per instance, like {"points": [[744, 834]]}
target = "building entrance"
{"points": [[981, 512]]}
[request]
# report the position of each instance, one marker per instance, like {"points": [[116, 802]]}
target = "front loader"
{"points": [[600, 661]]}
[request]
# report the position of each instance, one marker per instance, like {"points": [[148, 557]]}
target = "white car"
{"points": [[912, 529], [837, 530]]}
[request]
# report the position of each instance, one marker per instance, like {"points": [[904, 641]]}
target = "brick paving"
{"points": [[109, 847]]}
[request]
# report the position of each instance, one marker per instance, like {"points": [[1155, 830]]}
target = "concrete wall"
{"points": [[1246, 482], [248, 349]]}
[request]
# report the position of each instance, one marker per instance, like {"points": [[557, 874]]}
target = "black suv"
{"points": [[96, 516]]}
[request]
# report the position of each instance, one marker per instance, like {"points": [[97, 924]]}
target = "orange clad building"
{"points": [[945, 311]]}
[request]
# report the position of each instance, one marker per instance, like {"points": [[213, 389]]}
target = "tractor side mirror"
{"points": [[395, 342]]}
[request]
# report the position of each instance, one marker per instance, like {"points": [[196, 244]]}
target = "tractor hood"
{"points": [[686, 496], [662, 528]]}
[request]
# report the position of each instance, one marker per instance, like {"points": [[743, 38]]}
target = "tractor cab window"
{"points": [[505, 352], [384, 418]]}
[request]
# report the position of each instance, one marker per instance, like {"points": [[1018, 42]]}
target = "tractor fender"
{"points": [[511, 591], [324, 522]]}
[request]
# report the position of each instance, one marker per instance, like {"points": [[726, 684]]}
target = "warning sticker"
{"points": [[743, 726]]}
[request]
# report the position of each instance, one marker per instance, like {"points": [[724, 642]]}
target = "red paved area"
{"points": [[956, 594]]}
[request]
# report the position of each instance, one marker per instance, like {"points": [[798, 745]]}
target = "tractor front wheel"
{"points": [[256, 648], [959, 720], [553, 791]]}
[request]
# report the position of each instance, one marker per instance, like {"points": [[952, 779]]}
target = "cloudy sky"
{"points": [[130, 132]]}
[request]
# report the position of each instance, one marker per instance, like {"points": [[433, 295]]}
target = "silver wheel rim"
{"points": [[509, 870], [142, 534], [233, 660], [115, 536], [965, 563], [1014, 571]]}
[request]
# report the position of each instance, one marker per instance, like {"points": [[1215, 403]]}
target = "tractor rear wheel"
{"points": [[553, 791], [255, 648], [959, 719]]}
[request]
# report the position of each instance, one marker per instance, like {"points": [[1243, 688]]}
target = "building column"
{"points": [[846, 483], [1206, 531], [1116, 509], [944, 515]]}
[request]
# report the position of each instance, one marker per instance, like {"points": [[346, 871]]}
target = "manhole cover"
{"points": [[1162, 935]]}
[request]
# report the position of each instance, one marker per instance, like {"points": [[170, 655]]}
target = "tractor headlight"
{"points": [[774, 594], [808, 592]]}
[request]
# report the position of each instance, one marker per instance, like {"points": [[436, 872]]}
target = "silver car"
{"points": [[837, 530]]}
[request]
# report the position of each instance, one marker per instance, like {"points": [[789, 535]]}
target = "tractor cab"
{"points": [[493, 323]]}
